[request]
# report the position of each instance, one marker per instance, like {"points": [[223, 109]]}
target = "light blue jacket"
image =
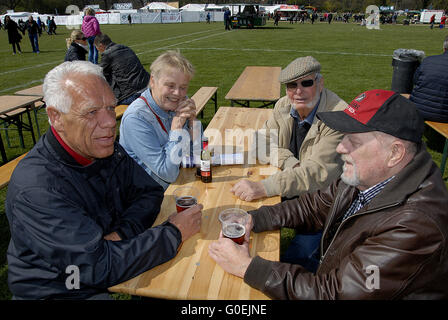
{"points": [[158, 152]]}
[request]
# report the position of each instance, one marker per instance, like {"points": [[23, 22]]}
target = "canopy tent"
{"points": [[153, 6], [193, 7], [271, 9], [288, 8], [214, 7]]}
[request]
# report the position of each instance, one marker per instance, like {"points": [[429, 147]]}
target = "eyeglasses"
{"points": [[305, 83]]}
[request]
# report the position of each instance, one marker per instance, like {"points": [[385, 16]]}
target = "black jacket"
{"points": [[123, 71], [13, 32], [32, 27], [430, 92], [59, 212], [75, 52]]}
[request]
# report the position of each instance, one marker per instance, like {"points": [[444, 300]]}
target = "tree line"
{"points": [[59, 6]]}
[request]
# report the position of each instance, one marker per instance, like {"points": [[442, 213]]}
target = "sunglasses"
{"points": [[305, 83]]}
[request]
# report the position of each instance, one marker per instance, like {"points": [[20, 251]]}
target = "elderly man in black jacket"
{"points": [[79, 207], [122, 69]]}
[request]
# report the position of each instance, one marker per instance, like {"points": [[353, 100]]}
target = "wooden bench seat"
{"points": [[7, 169], [119, 110], [202, 96]]}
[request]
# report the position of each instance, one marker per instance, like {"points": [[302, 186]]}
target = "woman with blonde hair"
{"points": [[152, 125], [91, 28], [77, 46]]}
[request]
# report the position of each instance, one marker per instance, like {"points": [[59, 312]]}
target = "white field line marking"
{"points": [[30, 67], [171, 38], [291, 50], [184, 42], [24, 85], [139, 44]]}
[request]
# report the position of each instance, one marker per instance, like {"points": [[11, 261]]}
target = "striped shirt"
{"points": [[364, 197]]}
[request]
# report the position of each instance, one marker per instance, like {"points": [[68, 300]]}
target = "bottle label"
{"points": [[205, 167]]}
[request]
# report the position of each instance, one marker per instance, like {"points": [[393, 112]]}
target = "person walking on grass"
{"points": [[91, 28], [33, 30], [14, 36]]}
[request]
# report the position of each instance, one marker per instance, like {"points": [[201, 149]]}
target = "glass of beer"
{"points": [[233, 223], [185, 197]]}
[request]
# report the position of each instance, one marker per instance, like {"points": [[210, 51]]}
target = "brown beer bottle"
{"points": [[206, 163]]}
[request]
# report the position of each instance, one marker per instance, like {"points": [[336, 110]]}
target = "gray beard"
{"points": [[354, 180]]}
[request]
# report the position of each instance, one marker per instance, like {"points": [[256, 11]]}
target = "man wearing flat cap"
{"points": [[306, 150], [385, 220], [306, 146]]}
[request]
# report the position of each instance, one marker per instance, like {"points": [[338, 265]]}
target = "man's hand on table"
{"points": [[232, 257], [188, 221], [249, 190]]}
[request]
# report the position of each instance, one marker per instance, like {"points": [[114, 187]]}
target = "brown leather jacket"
{"points": [[400, 238]]}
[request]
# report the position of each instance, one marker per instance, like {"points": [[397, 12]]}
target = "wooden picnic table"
{"points": [[441, 128], [34, 91], [192, 274], [9, 107], [256, 84]]}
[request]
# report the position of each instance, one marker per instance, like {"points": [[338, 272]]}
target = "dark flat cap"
{"points": [[299, 68]]}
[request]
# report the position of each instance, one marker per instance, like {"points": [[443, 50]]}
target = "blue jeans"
{"points": [[34, 39], [93, 52], [304, 249]]}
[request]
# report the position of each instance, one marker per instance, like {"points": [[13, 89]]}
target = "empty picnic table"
{"points": [[11, 109], [256, 83], [38, 92]]}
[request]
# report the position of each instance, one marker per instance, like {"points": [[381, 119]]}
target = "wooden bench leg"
{"points": [[215, 99], [31, 125], [2, 150], [444, 157], [37, 121]]}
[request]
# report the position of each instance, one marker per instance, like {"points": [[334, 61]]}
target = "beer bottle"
{"points": [[198, 165], [206, 164]]}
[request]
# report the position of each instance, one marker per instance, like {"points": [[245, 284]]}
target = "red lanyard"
{"points": [[157, 117]]}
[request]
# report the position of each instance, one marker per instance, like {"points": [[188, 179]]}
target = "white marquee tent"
{"points": [[157, 6], [193, 7], [214, 7]]}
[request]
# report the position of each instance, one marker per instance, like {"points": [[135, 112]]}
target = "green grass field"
{"points": [[353, 60]]}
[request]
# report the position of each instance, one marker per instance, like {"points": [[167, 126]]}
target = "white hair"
{"points": [[55, 90]]}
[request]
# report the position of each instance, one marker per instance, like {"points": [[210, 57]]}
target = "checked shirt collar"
{"points": [[364, 197]]}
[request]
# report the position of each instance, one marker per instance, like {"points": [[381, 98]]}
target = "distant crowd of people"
{"points": [[312, 17], [32, 27]]}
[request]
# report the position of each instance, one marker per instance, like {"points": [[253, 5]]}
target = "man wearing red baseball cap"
{"points": [[385, 221]]}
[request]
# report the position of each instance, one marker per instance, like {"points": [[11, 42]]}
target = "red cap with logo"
{"points": [[378, 110]]}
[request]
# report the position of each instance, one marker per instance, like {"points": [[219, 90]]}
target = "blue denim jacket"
{"points": [[144, 139]]}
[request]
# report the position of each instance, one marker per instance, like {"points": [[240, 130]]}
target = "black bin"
{"points": [[404, 63]]}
